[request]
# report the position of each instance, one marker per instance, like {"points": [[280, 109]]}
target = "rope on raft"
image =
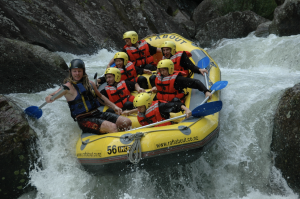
{"points": [[135, 152]]}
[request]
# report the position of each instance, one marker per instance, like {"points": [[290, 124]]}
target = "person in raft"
{"points": [[129, 71], [139, 52], [83, 103], [180, 59], [169, 84], [118, 91], [155, 111]]}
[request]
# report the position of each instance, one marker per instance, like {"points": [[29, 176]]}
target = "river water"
{"points": [[239, 165]]}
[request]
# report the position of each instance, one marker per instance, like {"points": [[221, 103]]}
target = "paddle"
{"points": [[203, 63], [36, 112], [217, 86], [95, 78], [199, 111]]}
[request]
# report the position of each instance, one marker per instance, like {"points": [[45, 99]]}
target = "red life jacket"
{"points": [[165, 88], [123, 74], [131, 72], [152, 115], [141, 55], [176, 60], [119, 95]]}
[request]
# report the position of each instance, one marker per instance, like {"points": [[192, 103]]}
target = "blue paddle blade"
{"points": [[34, 111], [219, 85], [113, 65], [203, 63], [207, 109]]}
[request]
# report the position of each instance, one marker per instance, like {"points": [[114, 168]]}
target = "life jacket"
{"points": [[131, 72], [152, 115], [176, 60], [165, 88], [123, 74], [84, 102], [140, 56], [120, 94]]}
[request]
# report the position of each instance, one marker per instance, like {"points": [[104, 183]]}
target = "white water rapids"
{"points": [[239, 165]]}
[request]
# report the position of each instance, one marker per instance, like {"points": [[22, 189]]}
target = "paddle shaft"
{"points": [[206, 83], [200, 65], [207, 98], [57, 94], [161, 122]]}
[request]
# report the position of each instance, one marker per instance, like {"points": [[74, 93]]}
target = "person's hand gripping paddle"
{"points": [[36, 112]]}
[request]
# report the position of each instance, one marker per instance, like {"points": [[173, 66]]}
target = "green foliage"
{"points": [[175, 13], [264, 8], [21, 157], [22, 171]]}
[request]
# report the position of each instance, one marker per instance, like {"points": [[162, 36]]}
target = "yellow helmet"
{"points": [[166, 63], [131, 35], [116, 72], [122, 55], [169, 44], [142, 99]]}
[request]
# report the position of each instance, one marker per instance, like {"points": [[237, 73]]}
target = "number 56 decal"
{"points": [[112, 149], [121, 149]]}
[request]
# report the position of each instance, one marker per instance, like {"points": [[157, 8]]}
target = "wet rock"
{"points": [[151, 18], [28, 68], [16, 153], [83, 27], [263, 29], [8, 28], [187, 7], [232, 25], [207, 10], [286, 19], [186, 23], [279, 2], [286, 137]]}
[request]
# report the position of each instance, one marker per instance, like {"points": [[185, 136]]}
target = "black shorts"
{"points": [[92, 123]]}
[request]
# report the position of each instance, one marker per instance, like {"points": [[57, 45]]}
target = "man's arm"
{"points": [[175, 107], [48, 98], [138, 88], [128, 112], [187, 64], [141, 71], [153, 49], [134, 86], [184, 82], [106, 101]]}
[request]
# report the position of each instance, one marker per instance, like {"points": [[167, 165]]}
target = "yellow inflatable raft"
{"points": [[154, 147]]}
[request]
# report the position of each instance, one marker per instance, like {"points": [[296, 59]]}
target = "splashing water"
{"points": [[239, 165]]}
